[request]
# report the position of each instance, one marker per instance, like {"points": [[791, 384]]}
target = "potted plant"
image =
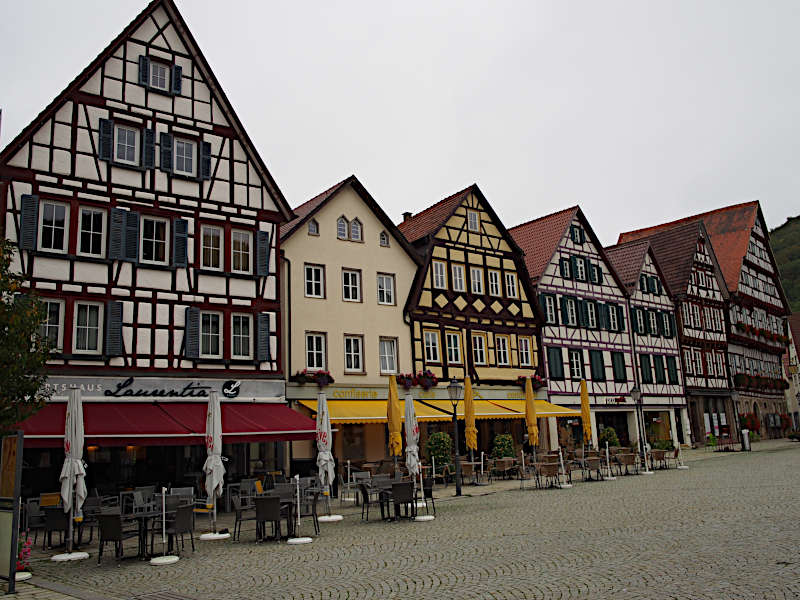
{"points": [[503, 446], [407, 380], [609, 434], [440, 449], [427, 379], [537, 382], [23, 557]]}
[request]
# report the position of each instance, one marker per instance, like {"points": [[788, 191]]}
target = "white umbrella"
{"points": [[73, 486], [325, 464], [412, 438], [213, 467]]}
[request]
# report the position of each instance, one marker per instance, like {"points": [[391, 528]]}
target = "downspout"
{"points": [[639, 409], [287, 337]]}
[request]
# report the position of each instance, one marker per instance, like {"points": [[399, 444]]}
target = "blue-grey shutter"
{"points": [[177, 79], [262, 253], [205, 160], [583, 313], [564, 312], [29, 221], [191, 335], [603, 315], [166, 153], [263, 351], [573, 260], [132, 236], [113, 328], [673, 327], [105, 145], [599, 273], [180, 239], [620, 318], [555, 363], [563, 268], [658, 286], [116, 234], [582, 234], [144, 70], [148, 149]]}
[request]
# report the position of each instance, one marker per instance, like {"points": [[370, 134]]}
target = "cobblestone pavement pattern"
{"points": [[727, 528]]}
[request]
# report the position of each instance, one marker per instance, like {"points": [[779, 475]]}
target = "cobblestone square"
{"points": [[726, 528]]}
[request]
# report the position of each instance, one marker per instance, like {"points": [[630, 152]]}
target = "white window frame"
{"points": [[591, 315], [136, 144], [479, 348], [720, 364], [167, 73], [220, 334], [439, 274], [697, 357], [142, 240], [248, 337], [342, 222], [511, 285], [640, 322], [494, 283], [696, 322], [359, 236], [311, 270], [100, 318], [316, 336], [575, 372], [476, 280], [383, 239], [247, 235], [220, 249], [667, 324], [386, 286], [613, 321], [384, 357], [453, 345], [431, 346], [572, 312], [46, 325], [185, 143], [524, 350], [652, 317], [551, 312], [580, 268], [354, 351], [689, 361], [66, 207], [457, 277], [313, 227], [475, 226], [103, 213], [502, 348], [348, 287]]}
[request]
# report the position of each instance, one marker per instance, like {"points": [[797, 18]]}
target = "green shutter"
{"points": [[618, 362], [564, 313], [647, 373], [672, 370], [658, 363], [555, 363], [597, 366], [620, 318], [572, 262]]}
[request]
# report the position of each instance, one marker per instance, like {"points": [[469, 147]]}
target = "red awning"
{"points": [[168, 423]]}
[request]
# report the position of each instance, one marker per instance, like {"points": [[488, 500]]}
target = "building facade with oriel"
{"points": [[654, 342], [585, 335], [147, 224]]}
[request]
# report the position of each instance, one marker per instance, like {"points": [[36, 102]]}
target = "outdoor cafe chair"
{"points": [[592, 464], [368, 500], [181, 524], [674, 457], [55, 519], [242, 514], [658, 458], [402, 495], [111, 530], [268, 510], [309, 509], [628, 461], [547, 474], [34, 517], [427, 494]]}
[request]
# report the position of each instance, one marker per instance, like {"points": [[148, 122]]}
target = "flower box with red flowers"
{"points": [[321, 378], [537, 382]]}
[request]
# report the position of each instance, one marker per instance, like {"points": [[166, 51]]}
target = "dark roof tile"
{"points": [[540, 238]]}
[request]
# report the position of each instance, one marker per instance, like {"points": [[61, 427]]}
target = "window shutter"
{"points": [[144, 70], [191, 334], [148, 149], [572, 262], [583, 313], [620, 318], [587, 267], [29, 221], [166, 153], [105, 144], [262, 253], [543, 304], [180, 232], [599, 271], [647, 375], [205, 160], [562, 268], [642, 283], [132, 236], [116, 234], [658, 286], [555, 363], [603, 311], [264, 351], [672, 370], [659, 323], [564, 313], [113, 328], [672, 324], [635, 320], [582, 235], [177, 79]]}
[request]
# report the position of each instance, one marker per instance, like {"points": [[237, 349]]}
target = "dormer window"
{"points": [[159, 76], [383, 238], [313, 227], [342, 227], [355, 230]]}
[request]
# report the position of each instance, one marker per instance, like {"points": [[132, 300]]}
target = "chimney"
{"points": [[406, 216]]}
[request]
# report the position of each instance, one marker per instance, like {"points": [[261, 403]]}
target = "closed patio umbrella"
{"points": [[470, 431], [73, 485], [394, 416], [213, 467], [325, 464], [530, 415], [412, 438], [586, 416]]}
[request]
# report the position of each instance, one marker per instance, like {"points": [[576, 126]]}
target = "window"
{"points": [[52, 328], [667, 324], [580, 268], [458, 277], [647, 372], [672, 370], [640, 326], [511, 285], [524, 351], [341, 228], [88, 328], [154, 240], [313, 227], [453, 341], [439, 275], [697, 362], [653, 322], [383, 239], [473, 220], [494, 283], [576, 364], [211, 255], [591, 314], [501, 349], [353, 353], [53, 226], [315, 351], [658, 363], [479, 348], [595, 273], [184, 157], [566, 269], [572, 312], [687, 361], [241, 327], [431, 346], [387, 350], [91, 238], [555, 363], [351, 285], [210, 335], [643, 283], [696, 316], [613, 317], [241, 242], [476, 279], [597, 366], [718, 359], [717, 319], [618, 364], [576, 234], [126, 142], [385, 289], [355, 230], [315, 281], [550, 314], [159, 76]]}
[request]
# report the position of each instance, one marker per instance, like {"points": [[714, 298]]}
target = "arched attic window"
{"points": [[383, 238], [355, 230], [313, 227], [342, 227]]}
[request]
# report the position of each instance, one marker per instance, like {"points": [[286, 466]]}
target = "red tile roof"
{"points": [[431, 219], [729, 229], [540, 238], [628, 260], [309, 206]]}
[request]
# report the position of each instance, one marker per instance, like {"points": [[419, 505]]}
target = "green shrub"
{"points": [[607, 435], [440, 448], [755, 437], [663, 445], [711, 439], [503, 446]]}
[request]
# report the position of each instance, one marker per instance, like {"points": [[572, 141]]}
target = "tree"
{"points": [[23, 351]]}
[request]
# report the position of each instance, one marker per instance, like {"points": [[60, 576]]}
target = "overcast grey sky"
{"points": [[640, 112]]}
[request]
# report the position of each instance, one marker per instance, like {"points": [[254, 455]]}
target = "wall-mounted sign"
{"points": [[164, 388]]}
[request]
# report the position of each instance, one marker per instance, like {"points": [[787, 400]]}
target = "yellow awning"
{"points": [[374, 411]]}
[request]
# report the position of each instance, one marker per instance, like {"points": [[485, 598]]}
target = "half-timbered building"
{"points": [[755, 326], [654, 342], [585, 335], [692, 273], [147, 224]]}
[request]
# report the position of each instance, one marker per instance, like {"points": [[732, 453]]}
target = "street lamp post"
{"points": [[636, 395], [454, 390]]}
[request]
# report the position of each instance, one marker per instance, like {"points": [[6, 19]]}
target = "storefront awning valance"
{"points": [[543, 408], [168, 423]]}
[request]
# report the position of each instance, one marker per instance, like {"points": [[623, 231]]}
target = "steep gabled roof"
{"points": [[628, 261], [539, 239], [311, 207], [430, 220], [205, 69]]}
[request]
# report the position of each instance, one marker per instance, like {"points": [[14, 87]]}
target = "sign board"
{"points": [[10, 480], [309, 391]]}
